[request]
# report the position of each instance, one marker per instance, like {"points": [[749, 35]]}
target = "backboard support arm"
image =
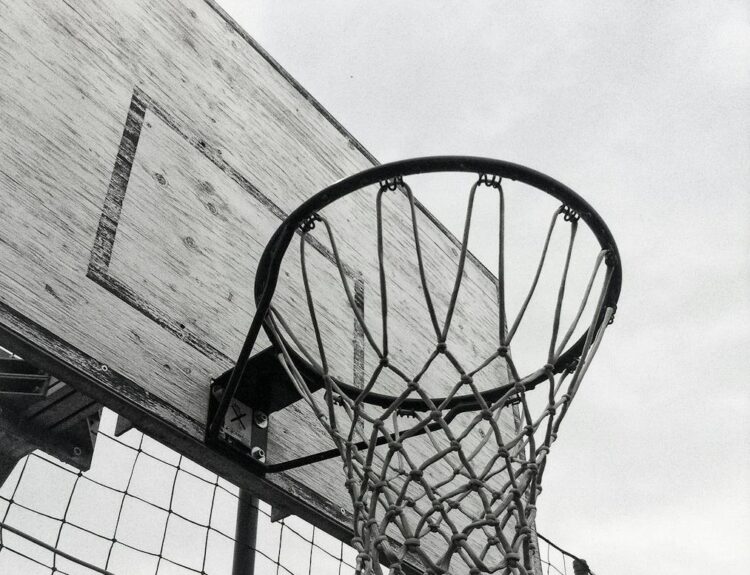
{"points": [[263, 389]]}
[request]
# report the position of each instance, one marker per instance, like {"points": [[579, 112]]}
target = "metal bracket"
{"points": [[38, 411], [21, 379], [264, 389], [244, 430]]}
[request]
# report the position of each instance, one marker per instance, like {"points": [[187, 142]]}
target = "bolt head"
{"points": [[258, 454], [260, 419]]}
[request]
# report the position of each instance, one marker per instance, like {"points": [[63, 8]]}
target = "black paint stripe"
{"points": [[358, 341], [126, 294], [105, 233], [101, 253]]}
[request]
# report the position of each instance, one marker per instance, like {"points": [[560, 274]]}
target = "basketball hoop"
{"points": [[469, 504]]}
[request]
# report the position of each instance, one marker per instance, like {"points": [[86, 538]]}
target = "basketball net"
{"points": [[444, 484]]}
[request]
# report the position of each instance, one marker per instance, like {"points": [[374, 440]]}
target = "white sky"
{"points": [[642, 108]]}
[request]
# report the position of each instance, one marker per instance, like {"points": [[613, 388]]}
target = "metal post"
{"points": [[245, 534]]}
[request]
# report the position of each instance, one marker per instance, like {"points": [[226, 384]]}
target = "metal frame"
{"points": [[38, 411], [245, 534]]}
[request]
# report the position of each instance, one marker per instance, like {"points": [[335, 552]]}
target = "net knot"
{"points": [[528, 430], [486, 414], [454, 504], [502, 351], [384, 362], [434, 527], [524, 530], [393, 511], [543, 450], [412, 386], [565, 397], [395, 446], [359, 506], [456, 445], [458, 539], [442, 347], [409, 502], [466, 379], [436, 415], [416, 474], [379, 424], [519, 387], [551, 410], [549, 368], [475, 484], [502, 452], [412, 543], [437, 506], [511, 559], [530, 466], [372, 522], [493, 540], [379, 485]]}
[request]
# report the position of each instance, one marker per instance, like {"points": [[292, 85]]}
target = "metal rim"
{"points": [[270, 261]]}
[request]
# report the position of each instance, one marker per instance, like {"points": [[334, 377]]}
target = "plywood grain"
{"points": [[147, 152]]}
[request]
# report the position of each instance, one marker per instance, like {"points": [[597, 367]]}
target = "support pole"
{"points": [[245, 534]]}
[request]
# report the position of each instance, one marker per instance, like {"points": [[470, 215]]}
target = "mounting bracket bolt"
{"points": [[260, 419], [258, 454]]}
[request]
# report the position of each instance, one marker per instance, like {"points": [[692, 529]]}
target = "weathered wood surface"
{"points": [[147, 153]]}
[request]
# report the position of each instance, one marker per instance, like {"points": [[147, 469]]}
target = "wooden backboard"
{"points": [[148, 150]]}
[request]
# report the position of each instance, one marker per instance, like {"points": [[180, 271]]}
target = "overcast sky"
{"points": [[641, 107]]}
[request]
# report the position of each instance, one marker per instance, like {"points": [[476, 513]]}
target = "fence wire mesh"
{"points": [[144, 509]]}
